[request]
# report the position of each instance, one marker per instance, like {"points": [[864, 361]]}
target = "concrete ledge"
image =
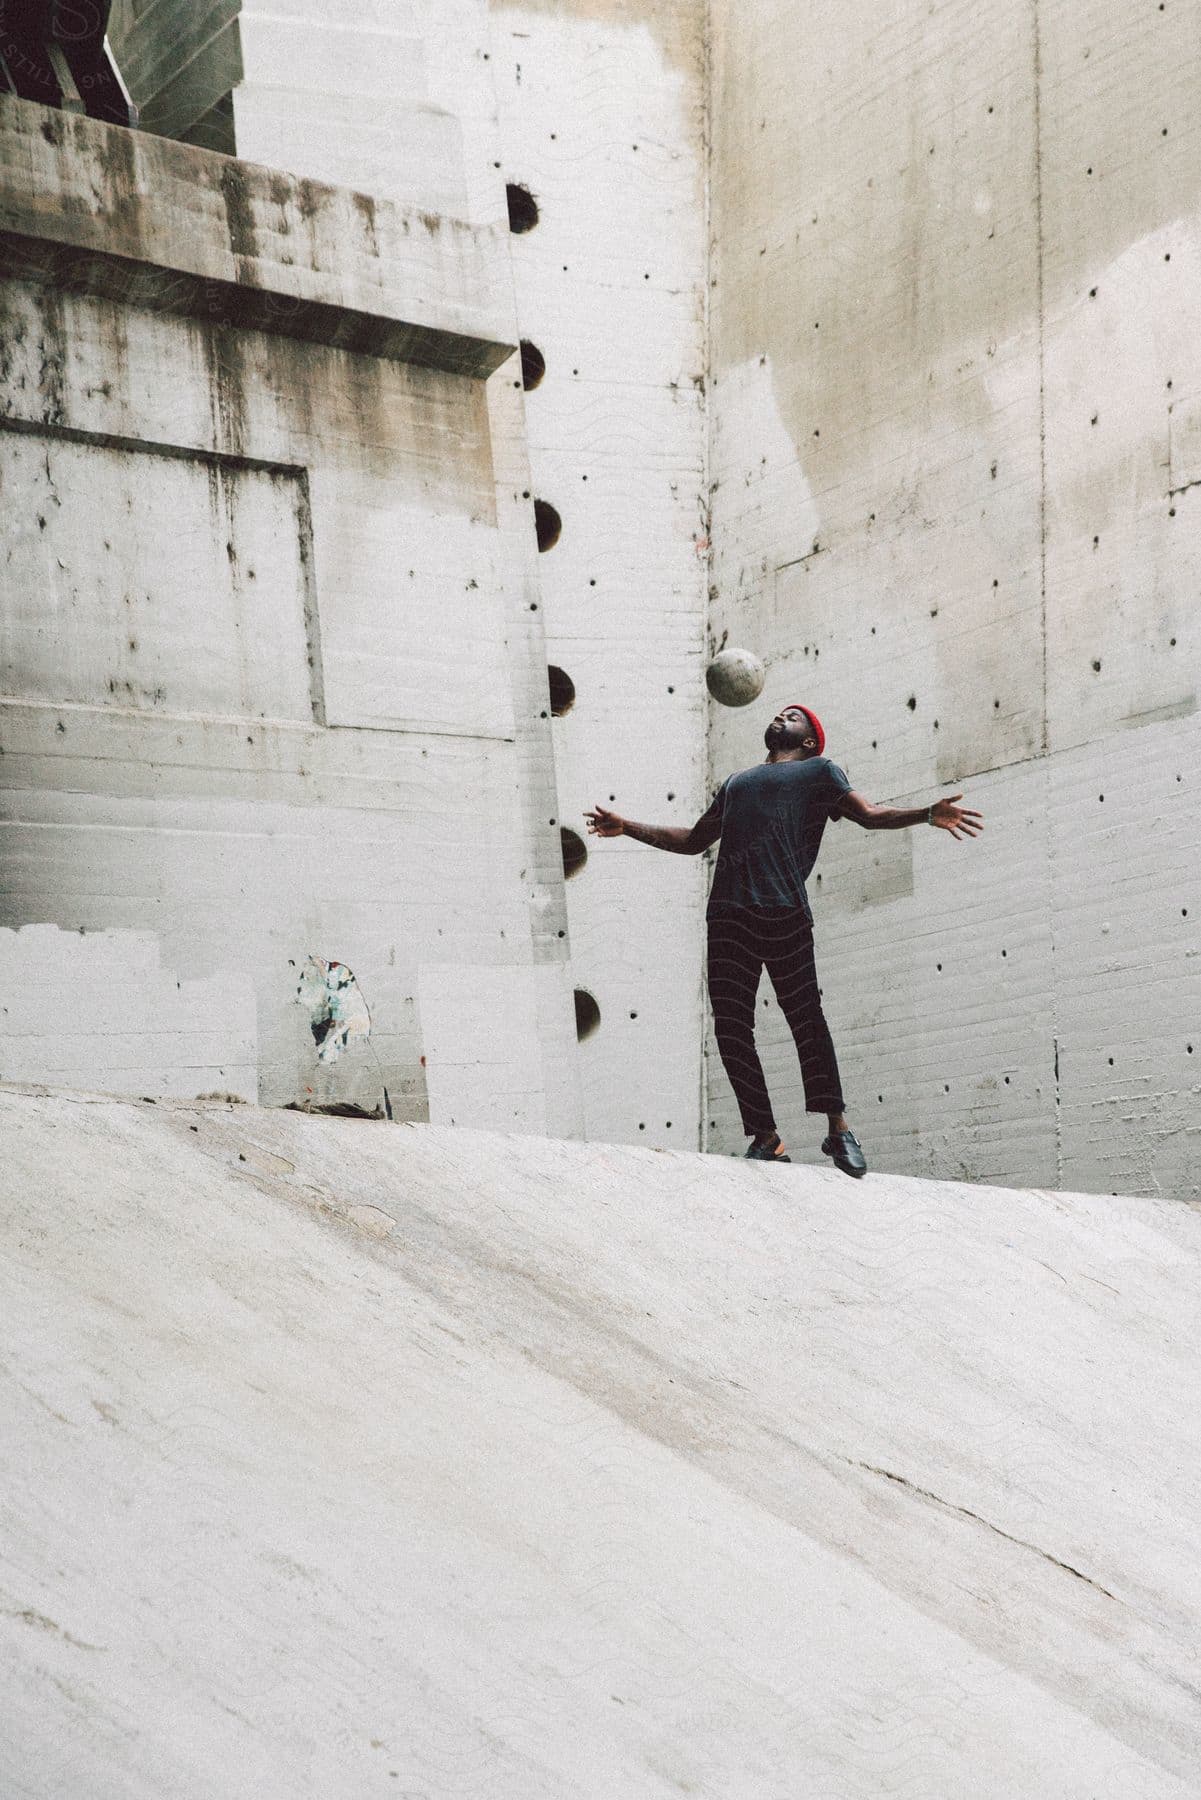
{"points": [[165, 226]]}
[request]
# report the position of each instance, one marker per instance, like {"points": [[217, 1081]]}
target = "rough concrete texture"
{"points": [[392, 98], [96, 1009], [366, 1459], [158, 224], [601, 116], [955, 449], [955, 355], [268, 682], [602, 120]]}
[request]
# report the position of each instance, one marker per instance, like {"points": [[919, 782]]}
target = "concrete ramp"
{"points": [[349, 1459]]}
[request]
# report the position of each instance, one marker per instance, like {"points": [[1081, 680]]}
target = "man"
{"points": [[770, 820]]}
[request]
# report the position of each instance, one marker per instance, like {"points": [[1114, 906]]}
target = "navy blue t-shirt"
{"points": [[772, 818]]}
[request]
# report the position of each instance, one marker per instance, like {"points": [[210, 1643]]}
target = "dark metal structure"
{"points": [[36, 34]]}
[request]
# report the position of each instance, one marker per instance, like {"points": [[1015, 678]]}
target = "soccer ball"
{"points": [[735, 677]]}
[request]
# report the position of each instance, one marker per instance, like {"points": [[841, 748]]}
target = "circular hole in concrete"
{"points": [[523, 208], [533, 365], [575, 851], [587, 1014], [547, 524], [562, 691]]}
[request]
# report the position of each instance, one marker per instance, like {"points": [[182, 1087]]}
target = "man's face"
{"points": [[790, 730]]}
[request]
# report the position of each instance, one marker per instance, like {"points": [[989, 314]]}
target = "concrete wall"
{"points": [[599, 110], [268, 678], [602, 121], [956, 368], [953, 435]]}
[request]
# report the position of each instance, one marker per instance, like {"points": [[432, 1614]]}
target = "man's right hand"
{"points": [[603, 823]]}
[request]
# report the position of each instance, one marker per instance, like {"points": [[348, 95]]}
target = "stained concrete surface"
{"points": [[271, 666], [358, 1458], [954, 349]]}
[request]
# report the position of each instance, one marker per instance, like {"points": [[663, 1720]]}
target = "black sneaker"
{"points": [[847, 1153], [768, 1153]]}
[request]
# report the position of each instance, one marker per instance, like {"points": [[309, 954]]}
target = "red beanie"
{"points": [[814, 721]]}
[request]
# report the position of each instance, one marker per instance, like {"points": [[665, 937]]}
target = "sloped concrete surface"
{"points": [[350, 1459]]}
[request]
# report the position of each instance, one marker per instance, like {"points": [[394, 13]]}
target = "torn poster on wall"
{"points": [[334, 1002]]}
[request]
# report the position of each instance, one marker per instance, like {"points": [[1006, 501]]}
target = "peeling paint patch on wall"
{"points": [[338, 1013]]}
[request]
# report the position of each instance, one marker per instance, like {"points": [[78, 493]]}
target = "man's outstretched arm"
{"points": [[684, 840], [947, 815]]}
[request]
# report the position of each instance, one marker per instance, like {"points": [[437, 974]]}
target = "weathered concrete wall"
{"points": [[956, 363], [392, 97], [97, 1011], [264, 644], [602, 122], [601, 115]]}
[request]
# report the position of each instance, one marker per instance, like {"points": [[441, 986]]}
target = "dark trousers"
{"points": [[743, 941]]}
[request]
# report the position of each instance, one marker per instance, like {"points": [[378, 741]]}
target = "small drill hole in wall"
{"points": [[575, 851], [562, 690], [587, 1017], [533, 365], [547, 524], [523, 208]]}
